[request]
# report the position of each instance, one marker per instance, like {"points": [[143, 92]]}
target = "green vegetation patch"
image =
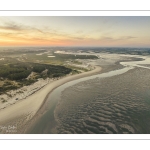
{"points": [[17, 74], [52, 70], [14, 72]]}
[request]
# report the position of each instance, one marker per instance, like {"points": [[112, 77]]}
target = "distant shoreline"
{"points": [[27, 109]]}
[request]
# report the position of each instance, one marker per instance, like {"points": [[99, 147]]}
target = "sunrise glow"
{"points": [[75, 31]]}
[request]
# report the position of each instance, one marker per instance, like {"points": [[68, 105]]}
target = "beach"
{"points": [[18, 114], [114, 101], [23, 113]]}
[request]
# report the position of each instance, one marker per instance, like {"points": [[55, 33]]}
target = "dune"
{"points": [[22, 111]]}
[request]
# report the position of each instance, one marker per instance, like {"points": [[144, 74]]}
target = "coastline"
{"points": [[24, 110]]}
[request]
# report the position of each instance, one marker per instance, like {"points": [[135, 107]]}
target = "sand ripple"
{"points": [[119, 104]]}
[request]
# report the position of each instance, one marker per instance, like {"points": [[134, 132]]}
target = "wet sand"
{"points": [[118, 104], [23, 111]]}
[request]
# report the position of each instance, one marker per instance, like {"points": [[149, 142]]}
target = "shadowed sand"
{"points": [[118, 104], [21, 112]]}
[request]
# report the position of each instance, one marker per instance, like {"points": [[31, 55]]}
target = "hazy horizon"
{"points": [[75, 31], [74, 47]]}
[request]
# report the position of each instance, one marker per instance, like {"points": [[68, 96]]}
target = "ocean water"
{"points": [[113, 102], [117, 104]]}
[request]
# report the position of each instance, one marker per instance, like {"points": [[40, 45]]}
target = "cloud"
{"points": [[107, 38], [11, 26], [16, 27], [19, 32], [127, 37]]}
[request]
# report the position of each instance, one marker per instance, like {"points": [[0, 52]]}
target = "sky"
{"points": [[95, 31]]}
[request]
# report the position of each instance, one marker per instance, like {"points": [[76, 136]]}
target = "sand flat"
{"points": [[51, 56]]}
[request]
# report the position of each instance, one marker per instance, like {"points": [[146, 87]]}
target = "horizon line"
{"points": [[80, 46], [74, 10]]}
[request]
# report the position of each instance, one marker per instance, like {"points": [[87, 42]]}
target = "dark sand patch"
{"points": [[119, 104]]}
